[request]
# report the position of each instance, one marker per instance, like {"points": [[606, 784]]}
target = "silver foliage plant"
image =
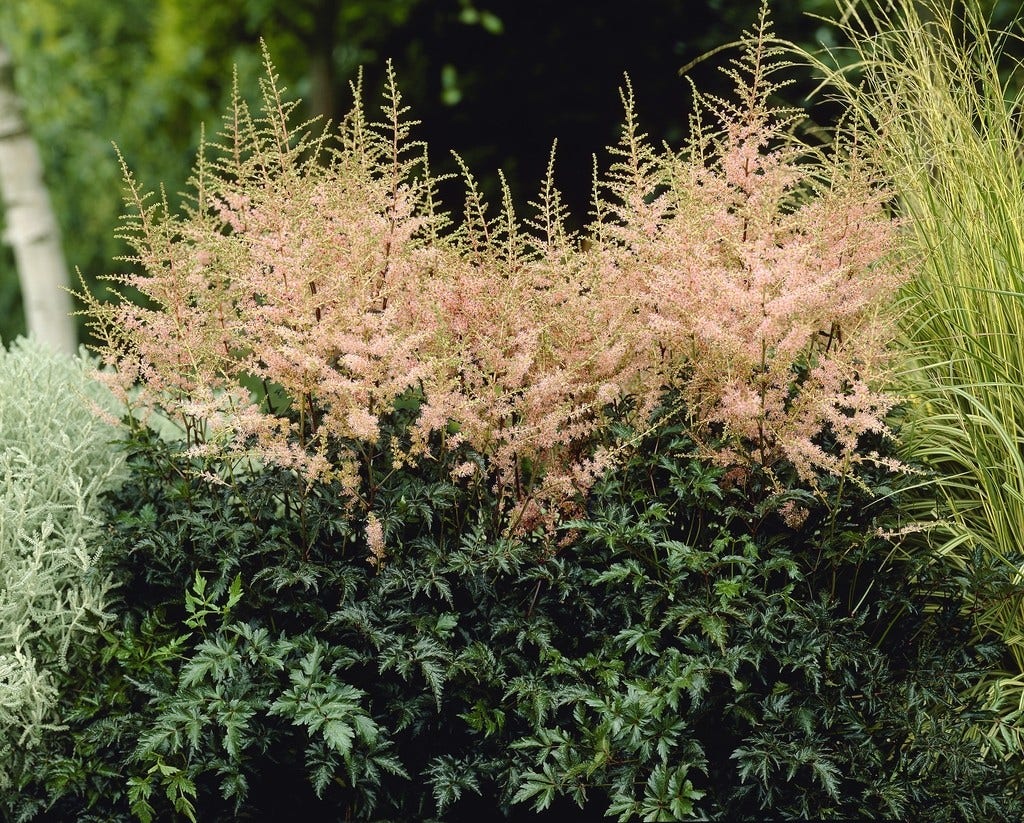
{"points": [[57, 456]]}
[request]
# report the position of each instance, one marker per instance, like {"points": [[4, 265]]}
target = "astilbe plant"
{"points": [[714, 640], [757, 269], [312, 284]]}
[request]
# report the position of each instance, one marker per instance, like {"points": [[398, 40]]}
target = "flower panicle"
{"points": [[296, 302]]}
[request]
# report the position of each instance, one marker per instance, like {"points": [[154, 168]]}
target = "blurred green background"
{"points": [[494, 80]]}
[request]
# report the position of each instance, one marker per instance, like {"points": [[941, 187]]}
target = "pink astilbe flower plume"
{"points": [[758, 276], [312, 282]]}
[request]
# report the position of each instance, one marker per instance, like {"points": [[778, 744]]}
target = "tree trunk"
{"points": [[32, 229], [322, 72]]}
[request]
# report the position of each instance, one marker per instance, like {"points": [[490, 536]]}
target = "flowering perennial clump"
{"points": [[313, 283]]}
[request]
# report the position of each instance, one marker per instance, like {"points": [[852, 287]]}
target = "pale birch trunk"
{"points": [[32, 229]]}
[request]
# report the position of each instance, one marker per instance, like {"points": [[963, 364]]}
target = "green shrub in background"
{"points": [[691, 656], [56, 458]]}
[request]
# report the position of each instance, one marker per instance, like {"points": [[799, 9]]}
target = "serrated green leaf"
{"points": [[339, 735], [540, 788]]}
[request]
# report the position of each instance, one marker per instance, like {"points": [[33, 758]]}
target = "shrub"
{"points": [[260, 667], [56, 459], [690, 655], [754, 661]]}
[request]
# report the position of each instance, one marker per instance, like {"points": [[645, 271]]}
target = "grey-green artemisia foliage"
{"points": [[56, 459]]}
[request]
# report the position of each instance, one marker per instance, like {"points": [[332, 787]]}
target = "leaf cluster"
{"points": [[688, 656], [748, 669], [57, 457], [259, 665]]}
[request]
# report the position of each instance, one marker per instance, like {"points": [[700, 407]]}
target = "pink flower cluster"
{"points": [[309, 286]]}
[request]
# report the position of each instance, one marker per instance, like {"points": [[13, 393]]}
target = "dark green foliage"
{"points": [[261, 668], [749, 670], [688, 656]]}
